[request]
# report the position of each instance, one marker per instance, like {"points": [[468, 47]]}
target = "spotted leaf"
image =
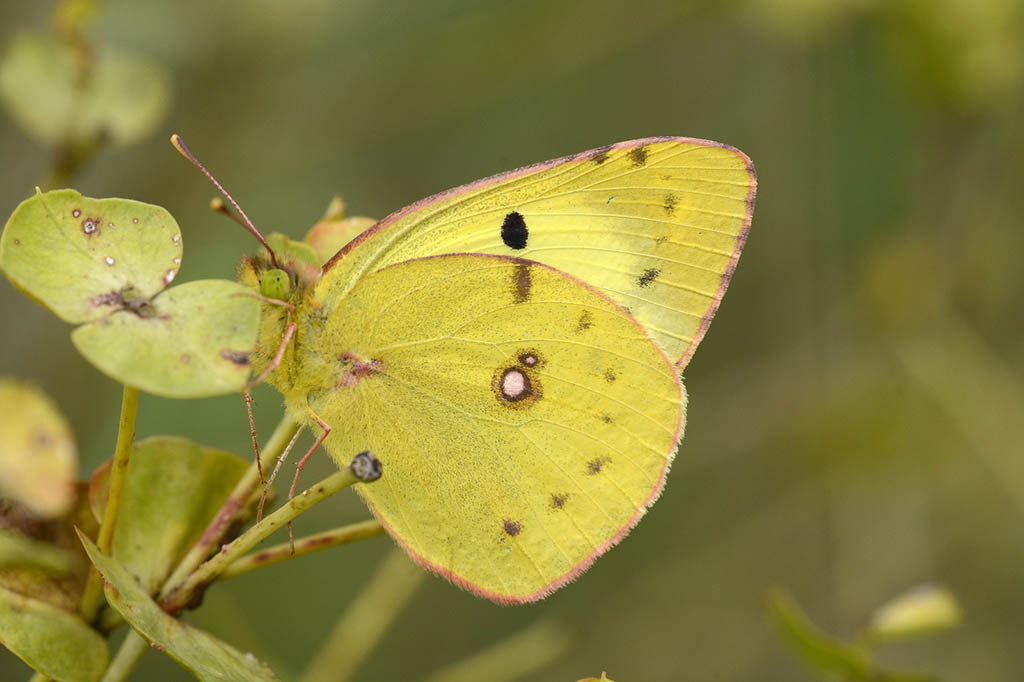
{"points": [[85, 258], [193, 340]]}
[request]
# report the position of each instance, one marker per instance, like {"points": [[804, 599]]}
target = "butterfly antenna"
{"points": [[183, 149], [217, 205]]}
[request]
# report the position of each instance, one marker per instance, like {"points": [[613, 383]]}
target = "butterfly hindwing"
{"points": [[525, 420]]}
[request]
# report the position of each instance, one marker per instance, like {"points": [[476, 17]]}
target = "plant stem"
{"points": [[214, 533], [126, 658], [307, 545], [180, 596], [92, 597], [524, 652], [357, 632]]}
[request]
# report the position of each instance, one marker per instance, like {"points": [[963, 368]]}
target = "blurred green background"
{"points": [[857, 409]]}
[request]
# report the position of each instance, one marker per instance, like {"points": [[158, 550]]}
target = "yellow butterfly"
{"points": [[511, 352]]}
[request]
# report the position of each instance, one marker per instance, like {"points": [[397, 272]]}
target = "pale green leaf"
{"points": [[55, 642], [921, 611], [194, 341], [17, 550], [123, 98], [38, 458], [173, 488], [818, 650], [84, 258], [209, 658]]}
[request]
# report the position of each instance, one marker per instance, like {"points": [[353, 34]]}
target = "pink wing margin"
{"points": [[683, 359], [587, 561]]}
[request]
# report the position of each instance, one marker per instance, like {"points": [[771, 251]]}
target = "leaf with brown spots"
{"points": [[78, 256], [195, 341]]}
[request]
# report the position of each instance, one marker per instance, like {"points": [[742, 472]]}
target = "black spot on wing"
{"points": [[513, 231], [558, 500], [638, 156], [512, 528], [610, 376], [648, 276], [595, 465], [606, 419]]}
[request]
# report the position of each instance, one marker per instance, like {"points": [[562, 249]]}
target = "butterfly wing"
{"points": [[656, 224], [524, 420]]}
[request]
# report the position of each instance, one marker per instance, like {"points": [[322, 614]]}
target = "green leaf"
{"points": [[53, 641], [173, 488], [193, 341], [38, 458], [287, 249], [122, 98], [84, 258], [818, 650], [209, 658], [17, 550], [921, 611]]}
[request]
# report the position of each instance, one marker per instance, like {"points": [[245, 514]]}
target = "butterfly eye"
{"points": [[276, 284]]}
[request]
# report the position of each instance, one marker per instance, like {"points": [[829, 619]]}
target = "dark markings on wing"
{"points": [[670, 203], [585, 322], [521, 283], [602, 155], [638, 156], [648, 276], [514, 231]]}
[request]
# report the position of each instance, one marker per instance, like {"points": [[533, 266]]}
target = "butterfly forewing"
{"points": [[655, 224]]}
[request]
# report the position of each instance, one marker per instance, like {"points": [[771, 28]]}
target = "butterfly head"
{"points": [[293, 268]]}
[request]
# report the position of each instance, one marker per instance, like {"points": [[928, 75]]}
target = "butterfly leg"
{"points": [[252, 432], [277, 357], [273, 474], [302, 463]]}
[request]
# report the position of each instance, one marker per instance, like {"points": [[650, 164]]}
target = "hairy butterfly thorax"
{"points": [[284, 285]]}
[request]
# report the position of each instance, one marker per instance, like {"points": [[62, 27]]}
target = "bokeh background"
{"points": [[857, 408]]}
